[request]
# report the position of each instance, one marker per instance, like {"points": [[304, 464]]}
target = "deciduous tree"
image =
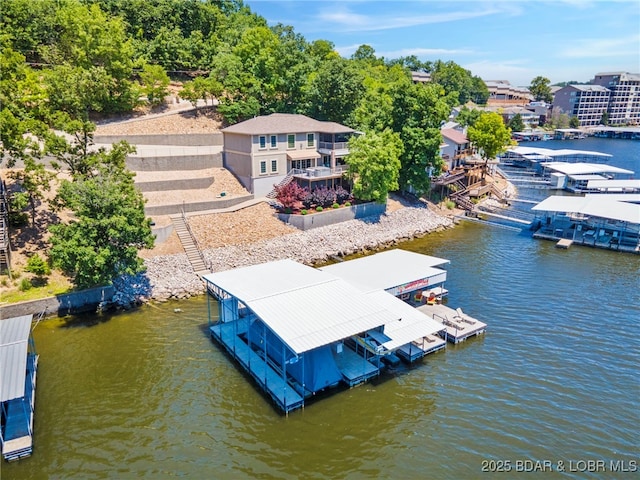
{"points": [[109, 225], [374, 164], [490, 136]]}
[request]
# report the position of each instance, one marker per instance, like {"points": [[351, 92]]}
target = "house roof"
{"points": [[596, 206], [305, 307], [14, 334], [455, 136], [285, 123]]}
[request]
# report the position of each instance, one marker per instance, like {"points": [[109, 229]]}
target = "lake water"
{"points": [[146, 394]]}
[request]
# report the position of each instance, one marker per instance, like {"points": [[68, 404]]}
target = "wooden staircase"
{"points": [[5, 245], [190, 244]]}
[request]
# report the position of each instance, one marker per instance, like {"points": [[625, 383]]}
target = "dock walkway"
{"points": [[458, 325]]}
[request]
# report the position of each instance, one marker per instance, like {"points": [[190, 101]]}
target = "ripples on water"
{"points": [[147, 394]]}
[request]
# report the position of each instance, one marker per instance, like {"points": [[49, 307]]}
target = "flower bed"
{"points": [[330, 216]]}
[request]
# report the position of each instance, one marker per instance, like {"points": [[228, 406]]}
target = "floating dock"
{"points": [[299, 331], [18, 368], [458, 325]]}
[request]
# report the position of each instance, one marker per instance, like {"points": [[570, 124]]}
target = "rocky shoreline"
{"points": [[172, 277]]}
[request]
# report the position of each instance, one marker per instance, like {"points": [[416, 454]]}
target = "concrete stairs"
{"points": [[190, 245]]}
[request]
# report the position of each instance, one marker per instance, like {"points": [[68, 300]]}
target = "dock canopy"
{"points": [[584, 168], [14, 338], [594, 206], [411, 324], [305, 307], [396, 271]]}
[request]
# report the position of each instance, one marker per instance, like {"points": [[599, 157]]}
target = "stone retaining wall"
{"points": [[195, 206], [332, 216], [177, 184], [186, 140], [61, 305], [173, 162]]}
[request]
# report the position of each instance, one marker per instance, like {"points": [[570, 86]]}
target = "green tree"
{"points": [[468, 116], [109, 225], [460, 83], [516, 124], [34, 180], [374, 164], [334, 91], [574, 122], [490, 136], [154, 83], [604, 119], [540, 89]]}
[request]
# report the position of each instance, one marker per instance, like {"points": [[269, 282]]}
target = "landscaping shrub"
{"points": [[319, 208], [450, 205], [324, 197], [347, 204], [341, 194], [336, 205], [290, 195], [303, 212], [25, 284], [38, 265]]}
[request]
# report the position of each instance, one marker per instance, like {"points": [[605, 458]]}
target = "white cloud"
{"points": [[602, 47], [424, 52], [515, 71], [344, 20]]}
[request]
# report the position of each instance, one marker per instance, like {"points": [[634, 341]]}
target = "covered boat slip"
{"points": [[286, 324], [299, 330], [397, 271], [601, 221], [18, 367]]}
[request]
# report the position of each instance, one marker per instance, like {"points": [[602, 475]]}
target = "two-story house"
{"points": [[263, 151], [456, 147]]}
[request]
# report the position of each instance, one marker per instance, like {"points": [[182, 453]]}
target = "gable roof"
{"points": [[285, 123], [455, 136]]}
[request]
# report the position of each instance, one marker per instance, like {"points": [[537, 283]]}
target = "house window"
{"points": [[310, 140], [263, 141], [274, 141], [274, 166], [263, 167], [291, 141]]}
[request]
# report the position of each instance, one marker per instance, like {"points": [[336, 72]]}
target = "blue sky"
{"points": [[513, 40]]}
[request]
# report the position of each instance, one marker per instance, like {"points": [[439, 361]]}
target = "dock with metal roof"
{"points": [[299, 330], [18, 367], [593, 220]]}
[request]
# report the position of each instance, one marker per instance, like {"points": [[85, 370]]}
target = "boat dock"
{"points": [[18, 368], [458, 325], [299, 330]]}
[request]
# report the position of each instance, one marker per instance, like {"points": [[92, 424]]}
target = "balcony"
{"points": [[319, 172]]}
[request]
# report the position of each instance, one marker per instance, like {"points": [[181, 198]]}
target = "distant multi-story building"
{"points": [[616, 93], [624, 103], [586, 102], [501, 92]]}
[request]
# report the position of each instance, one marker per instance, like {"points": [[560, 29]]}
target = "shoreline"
{"points": [[170, 277]]}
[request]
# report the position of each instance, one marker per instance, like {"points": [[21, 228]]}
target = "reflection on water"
{"points": [[147, 394]]}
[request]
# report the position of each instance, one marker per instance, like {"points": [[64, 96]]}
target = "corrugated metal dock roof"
{"points": [[386, 270], [305, 307], [14, 336]]}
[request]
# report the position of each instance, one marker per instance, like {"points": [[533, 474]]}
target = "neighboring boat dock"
{"points": [[299, 330], [18, 367]]}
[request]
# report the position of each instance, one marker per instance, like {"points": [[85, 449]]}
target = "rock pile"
{"points": [[171, 276]]}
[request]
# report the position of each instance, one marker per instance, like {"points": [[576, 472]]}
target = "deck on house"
{"points": [[280, 390], [458, 325], [17, 434]]}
